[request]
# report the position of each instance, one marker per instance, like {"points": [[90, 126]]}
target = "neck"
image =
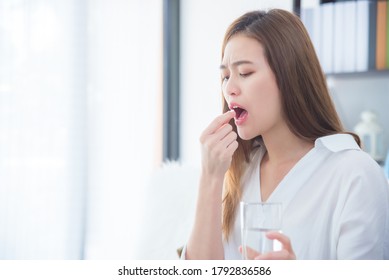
{"points": [[283, 146]]}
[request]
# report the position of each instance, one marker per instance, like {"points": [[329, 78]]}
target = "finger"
{"points": [[232, 148], [285, 243], [218, 122], [228, 139], [225, 147], [223, 131], [220, 139], [282, 238], [251, 254]]}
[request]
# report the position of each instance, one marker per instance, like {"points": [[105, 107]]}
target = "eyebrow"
{"points": [[236, 63]]}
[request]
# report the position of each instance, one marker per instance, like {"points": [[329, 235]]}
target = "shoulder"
{"points": [[361, 196], [344, 152], [345, 159], [337, 143]]}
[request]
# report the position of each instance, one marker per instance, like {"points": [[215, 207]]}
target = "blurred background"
{"points": [[96, 98]]}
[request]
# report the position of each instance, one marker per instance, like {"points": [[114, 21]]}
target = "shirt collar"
{"points": [[337, 142]]}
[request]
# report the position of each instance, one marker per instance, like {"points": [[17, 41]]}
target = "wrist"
{"points": [[211, 184]]}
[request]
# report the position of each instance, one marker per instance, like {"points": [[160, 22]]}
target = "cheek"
{"points": [[267, 106], [267, 98]]}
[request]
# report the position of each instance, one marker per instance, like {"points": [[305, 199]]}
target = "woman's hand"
{"points": [[286, 253], [218, 144]]}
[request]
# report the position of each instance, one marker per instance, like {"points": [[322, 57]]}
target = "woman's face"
{"points": [[249, 87]]}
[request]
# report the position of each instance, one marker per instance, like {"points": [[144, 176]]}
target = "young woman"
{"points": [[280, 140]]}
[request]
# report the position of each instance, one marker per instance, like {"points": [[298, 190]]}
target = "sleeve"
{"points": [[364, 219]]}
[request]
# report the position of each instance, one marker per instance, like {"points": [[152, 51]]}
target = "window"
{"points": [[80, 111]]}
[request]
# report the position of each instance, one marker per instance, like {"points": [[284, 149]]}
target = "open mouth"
{"points": [[240, 113]]}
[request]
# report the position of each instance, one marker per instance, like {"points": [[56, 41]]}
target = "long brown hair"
{"points": [[307, 106]]}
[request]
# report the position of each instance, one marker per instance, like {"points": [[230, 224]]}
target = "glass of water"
{"points": [[256, 220]]}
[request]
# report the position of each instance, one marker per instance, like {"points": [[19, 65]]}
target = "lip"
{"points": [[238, 121], [233, 104]]}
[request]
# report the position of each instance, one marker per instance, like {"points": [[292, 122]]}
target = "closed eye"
{"points": [[244, 75]]}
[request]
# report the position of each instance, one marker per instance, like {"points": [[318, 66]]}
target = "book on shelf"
{"points": [[312, 21], [327, 37], [381, 49], [349, 36], [387, 35], [366, 35], [372, 21], [345, 36], [362, 39], [339, 29]]}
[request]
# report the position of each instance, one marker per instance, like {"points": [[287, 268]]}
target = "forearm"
{"points": [[206, 238], [218, 142]]}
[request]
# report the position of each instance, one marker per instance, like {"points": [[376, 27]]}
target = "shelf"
{"points": [[370, 73]]}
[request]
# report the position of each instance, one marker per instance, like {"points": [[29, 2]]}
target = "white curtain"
{"points": [[79, 98]]}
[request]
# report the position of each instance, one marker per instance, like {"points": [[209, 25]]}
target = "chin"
{"points": [[245, 136]]}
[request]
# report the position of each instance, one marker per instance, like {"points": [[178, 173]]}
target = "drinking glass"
{"points": [[256, 220]]}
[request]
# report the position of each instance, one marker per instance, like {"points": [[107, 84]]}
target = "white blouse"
{"points": [[335, 203]]}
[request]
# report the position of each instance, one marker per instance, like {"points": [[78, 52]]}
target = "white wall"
{"points": [[203, 24]]}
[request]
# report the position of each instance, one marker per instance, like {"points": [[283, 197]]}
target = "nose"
{"points": [[231, 87]]}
